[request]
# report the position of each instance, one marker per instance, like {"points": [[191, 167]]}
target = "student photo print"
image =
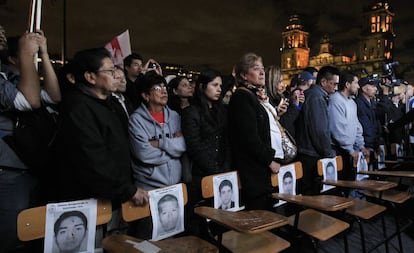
{"points": [[226, 191], [70, 226], [70, 232], [167, 211]]}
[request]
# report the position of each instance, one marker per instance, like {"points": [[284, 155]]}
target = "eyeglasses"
{"points": [[111, 71], [159, 88]]}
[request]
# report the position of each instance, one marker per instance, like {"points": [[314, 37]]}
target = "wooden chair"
{"points": [[31, 223], [361, 210], [185, 244], [316, 224], [392, 198], [393, 161], [248, 231]]}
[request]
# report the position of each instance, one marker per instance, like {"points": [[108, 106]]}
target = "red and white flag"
{"points": [[120, 47]]}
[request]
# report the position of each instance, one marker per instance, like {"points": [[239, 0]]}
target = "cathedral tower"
{"points": [[295, 50], [377, 39]]}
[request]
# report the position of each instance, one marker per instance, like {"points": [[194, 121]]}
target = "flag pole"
{"points": [[35, 16], [63, 53], [38, 14], [31, 16]]}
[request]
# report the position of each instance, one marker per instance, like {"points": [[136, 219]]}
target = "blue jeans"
{"points": [[16, 188]]}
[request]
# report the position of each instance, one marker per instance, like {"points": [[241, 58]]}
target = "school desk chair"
{"points": [[362, 210], [310, 217], [31, 222], [121, 243], [245, 231]]}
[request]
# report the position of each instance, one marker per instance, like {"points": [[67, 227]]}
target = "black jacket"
{"points": [[313, 135], [93, 152], [250, 144], [207, 142]]}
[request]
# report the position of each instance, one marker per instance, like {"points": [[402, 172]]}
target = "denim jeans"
{"points": [[16, 188]]}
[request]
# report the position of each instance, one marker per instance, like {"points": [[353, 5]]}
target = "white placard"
{"points": [[70, 226], [167, 211]]}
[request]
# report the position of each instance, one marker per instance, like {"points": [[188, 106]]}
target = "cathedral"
{"points": [[373, 49]]}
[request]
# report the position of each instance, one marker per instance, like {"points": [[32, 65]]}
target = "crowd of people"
{"points": [[122, 131]]}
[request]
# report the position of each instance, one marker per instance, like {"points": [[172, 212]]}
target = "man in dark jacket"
{"points": [[93, 156], [367, 114], [313, 131]]}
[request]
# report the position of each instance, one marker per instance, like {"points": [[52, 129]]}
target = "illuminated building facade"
{"points": [[373, 48]]}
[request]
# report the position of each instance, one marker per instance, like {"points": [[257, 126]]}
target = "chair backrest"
{"points": [[298, 173], [207, 185], [339, 165], [31, 222], [132, 212]]}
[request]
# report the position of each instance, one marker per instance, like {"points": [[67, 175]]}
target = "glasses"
{"points": [[159, 88], [110, 71]]}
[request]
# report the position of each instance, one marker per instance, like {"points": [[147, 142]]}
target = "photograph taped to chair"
{"points": [[361, 165], [381, 157], [70, 226], [329, 172], [400, 151], [226, 191], [167, 211], [287, 181]]}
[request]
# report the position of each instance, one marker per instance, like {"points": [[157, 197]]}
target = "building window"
{"points": [[288, 63], [388, 21], [378, 23], [373, 24]]}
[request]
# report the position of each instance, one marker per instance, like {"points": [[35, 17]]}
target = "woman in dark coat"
{"points": [[205, 129], [249, 119]]}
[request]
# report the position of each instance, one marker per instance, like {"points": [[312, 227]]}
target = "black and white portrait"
{"points": [[329, 172], [226, 191], [167, 211], [70, 226]]}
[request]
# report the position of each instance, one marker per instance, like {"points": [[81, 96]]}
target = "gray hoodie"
{"points": [[155, 167]]}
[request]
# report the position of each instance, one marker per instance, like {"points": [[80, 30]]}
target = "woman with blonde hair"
{"points": [[255, 137], [288, 109]]}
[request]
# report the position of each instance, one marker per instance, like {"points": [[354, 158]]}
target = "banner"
{"points": [[120, 47]]}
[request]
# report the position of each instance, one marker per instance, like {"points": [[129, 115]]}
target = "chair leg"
{"points": [[384, 229], [398, 231], [346, 247], [361, 230], [315, 244]]}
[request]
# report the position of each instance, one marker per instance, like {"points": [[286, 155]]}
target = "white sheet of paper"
{"points": [[287, 181], [361, 165], [146, 247], [230, 185], [74, 210], [167, 211], [330, 172]]}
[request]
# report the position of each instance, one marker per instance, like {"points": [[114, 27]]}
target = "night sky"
{"points": [[212, 32]]}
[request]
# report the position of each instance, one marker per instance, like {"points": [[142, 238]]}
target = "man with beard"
{"points": [[346, 130]]}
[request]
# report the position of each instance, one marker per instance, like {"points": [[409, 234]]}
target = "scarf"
{"points": [[263, 99]]}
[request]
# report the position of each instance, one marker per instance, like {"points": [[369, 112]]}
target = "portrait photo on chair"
{"points": [[167, 211], [362, 164], [287, 181], [226, 191], [381, 157], [329, 172], [70, 226]]}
